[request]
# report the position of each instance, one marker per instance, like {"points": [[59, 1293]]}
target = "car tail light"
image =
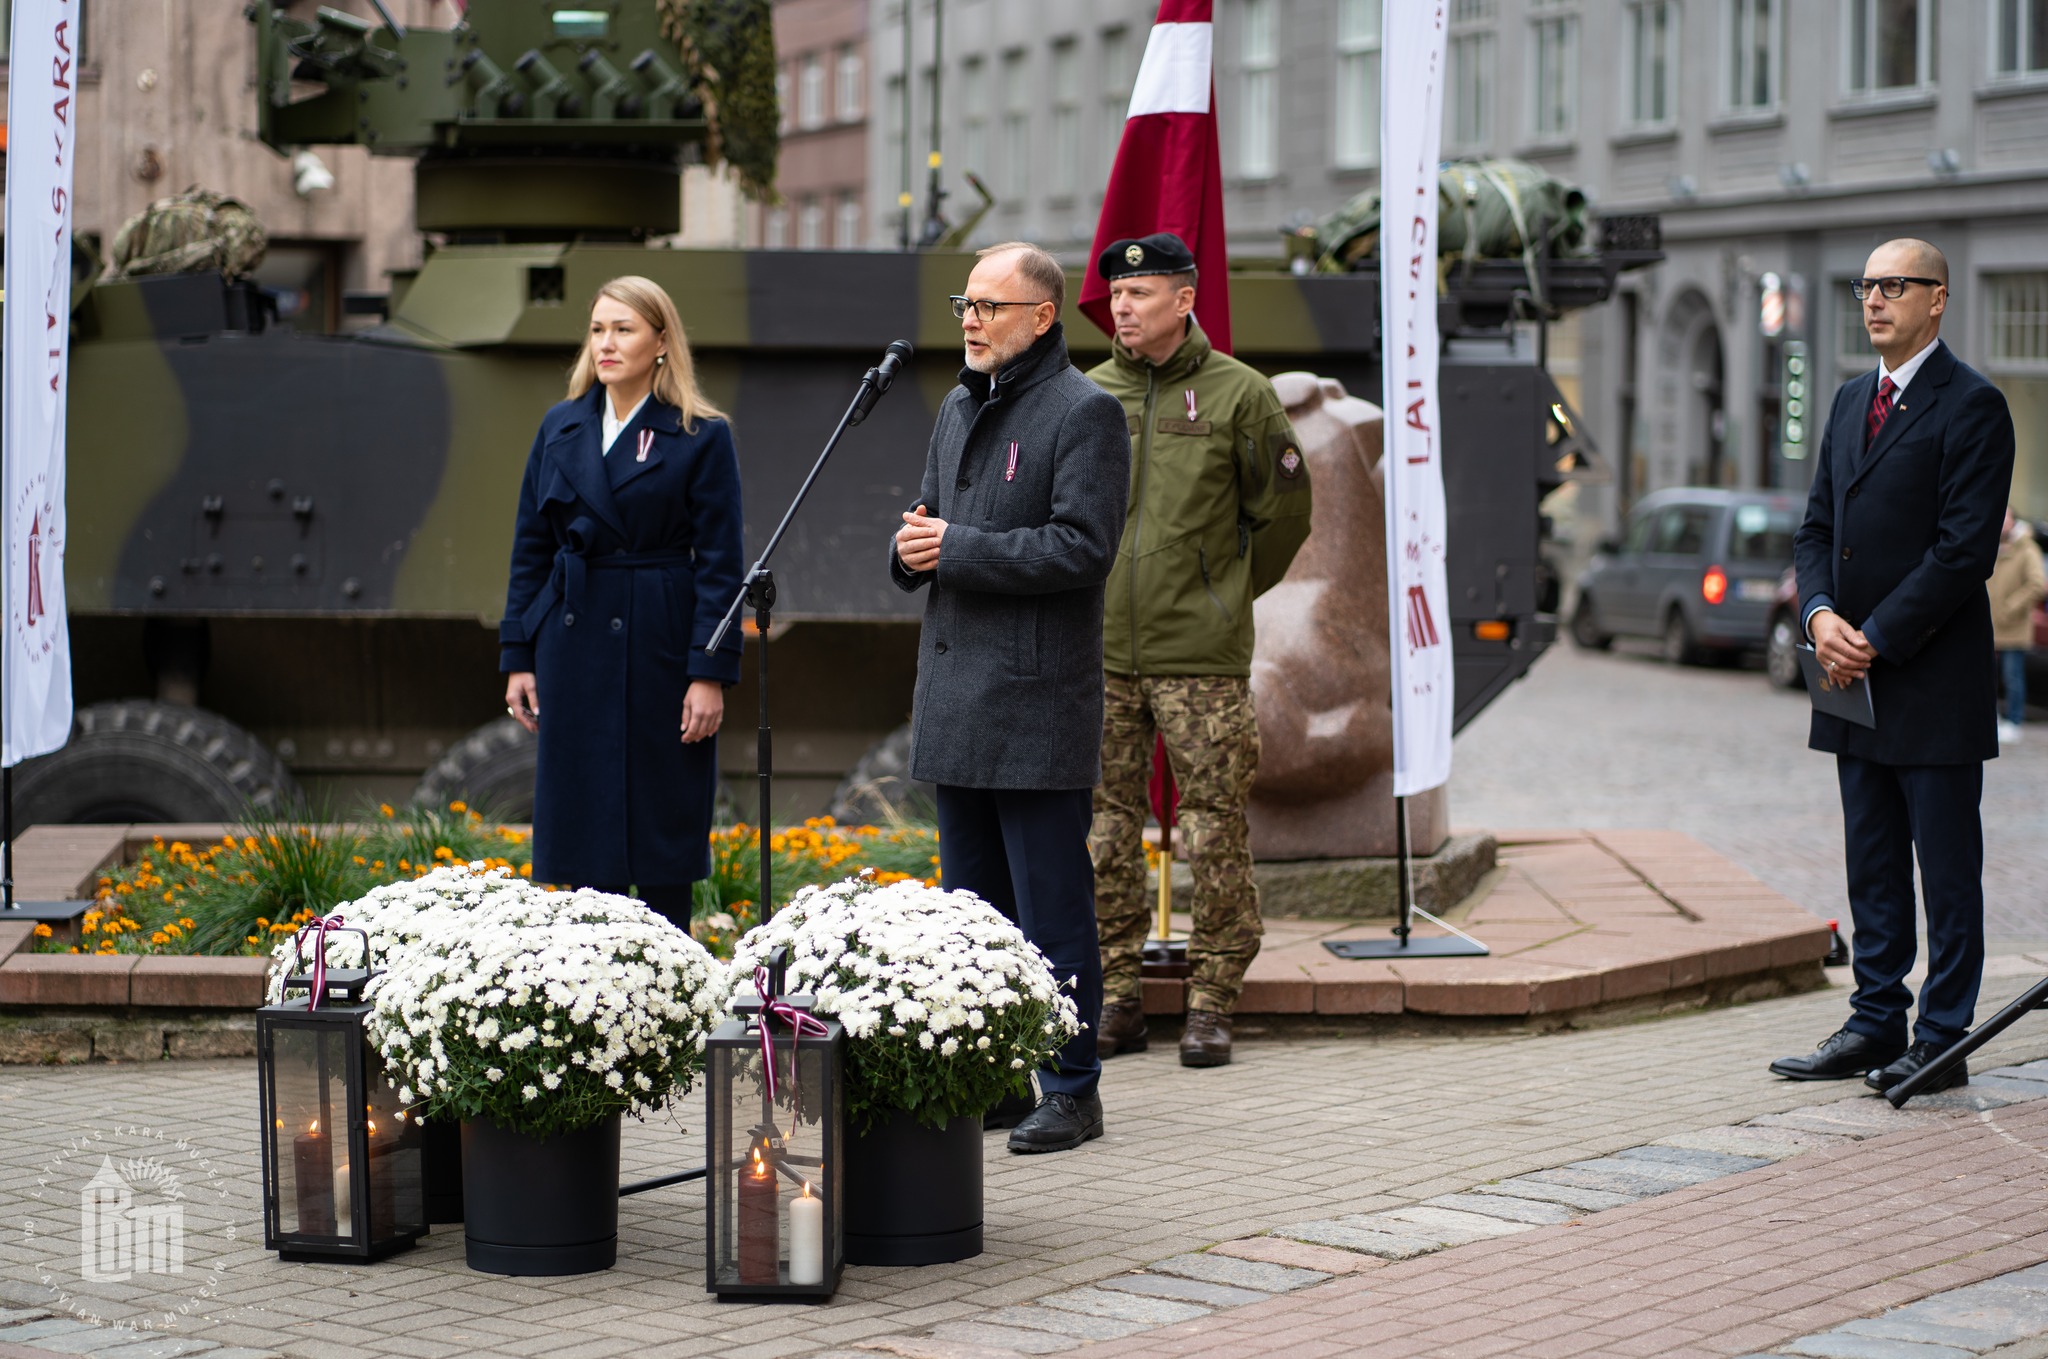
{"points": [[1714, 585]]}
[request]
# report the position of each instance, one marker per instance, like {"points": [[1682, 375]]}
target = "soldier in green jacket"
{"points": [[1219, 506]]}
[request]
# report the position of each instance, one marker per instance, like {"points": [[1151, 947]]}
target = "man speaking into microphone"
{"points": [[1014, 531]]}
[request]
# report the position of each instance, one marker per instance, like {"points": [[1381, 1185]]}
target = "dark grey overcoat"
{"points": [[1030, 469]]}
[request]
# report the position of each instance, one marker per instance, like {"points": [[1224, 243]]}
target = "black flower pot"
{"points": [[537, 1206], [912, 1192], [441, 1169]]}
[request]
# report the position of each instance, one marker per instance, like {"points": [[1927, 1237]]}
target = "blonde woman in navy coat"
{"points": [[625, 555]]}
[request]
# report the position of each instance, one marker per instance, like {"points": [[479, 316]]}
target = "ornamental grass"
{"points": [[244, 892]]}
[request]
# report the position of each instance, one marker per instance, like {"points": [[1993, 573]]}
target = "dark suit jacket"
{"points": [[1009, 662], [621, 569], [1899, 539]]}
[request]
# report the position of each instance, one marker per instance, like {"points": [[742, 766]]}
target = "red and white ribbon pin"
{"points": [[1010, 472], [1191, 404], [646, 443]]}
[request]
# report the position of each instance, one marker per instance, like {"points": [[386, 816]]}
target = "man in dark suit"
{"points": [[1014, 532], [1900, 535]]}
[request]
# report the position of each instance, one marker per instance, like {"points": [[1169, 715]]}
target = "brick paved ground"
{"points": [[1622, 739]]}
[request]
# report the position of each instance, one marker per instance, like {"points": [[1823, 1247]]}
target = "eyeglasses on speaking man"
{"points": [[1893, 287], [986, 309]]}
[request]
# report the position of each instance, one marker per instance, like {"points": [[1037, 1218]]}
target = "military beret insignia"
{"points": [[1134, 254]]}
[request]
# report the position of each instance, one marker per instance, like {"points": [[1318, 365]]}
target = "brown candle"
{"points": [[759, 1222], [313, 1178]]}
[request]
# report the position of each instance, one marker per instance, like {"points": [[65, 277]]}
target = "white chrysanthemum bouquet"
{"points": [[544, 1012], [947, 1006]]}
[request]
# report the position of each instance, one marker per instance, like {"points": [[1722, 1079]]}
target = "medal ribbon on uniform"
{"points": [[1191, 405], [1010, 471], [646, 443]]}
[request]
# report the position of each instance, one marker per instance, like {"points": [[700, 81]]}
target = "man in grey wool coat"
{"points": [[1015, 529]]}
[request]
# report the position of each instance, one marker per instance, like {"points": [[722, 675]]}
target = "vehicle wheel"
{"points": [[879, 786], [1679, 647], [139, 760], [492, 769], [1586, 632], [1781, 653]]}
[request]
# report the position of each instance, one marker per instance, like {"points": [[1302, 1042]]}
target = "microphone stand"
{"points": [[757, 591]]}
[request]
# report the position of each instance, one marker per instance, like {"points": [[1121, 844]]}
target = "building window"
{"points": [[1890, 45], [1750, 46], [2019, 321], [974, 99], [1554, 87], [1066, 119], [783, 107], [810, 225], [1258, 88], [1117, 75], [1652, 69], [775, 229], [2020, 38], [848, 83], [1853, 350], [846, 233], [810, 93], [1468, 88], [899, 129], [1358, 83], [1016, 126]]}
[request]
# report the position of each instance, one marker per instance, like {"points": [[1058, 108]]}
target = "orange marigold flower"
{"points": [[385, 809], [43, 931], [458, 806]]}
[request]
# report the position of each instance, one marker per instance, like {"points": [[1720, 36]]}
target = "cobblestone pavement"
{"points": [[1298, 1130], [1622, 739]]}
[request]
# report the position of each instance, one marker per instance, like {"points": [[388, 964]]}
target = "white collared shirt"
{"points": [[1903, 374], [613, 426]]}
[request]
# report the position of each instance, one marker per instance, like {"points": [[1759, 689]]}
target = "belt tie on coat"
{"points": [[573, 562]]}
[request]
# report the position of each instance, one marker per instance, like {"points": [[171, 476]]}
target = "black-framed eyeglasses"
{"points": [[1893, 287], [984, 308]]}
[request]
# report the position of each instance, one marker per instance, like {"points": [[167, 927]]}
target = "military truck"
{"points": [[287, 551]]}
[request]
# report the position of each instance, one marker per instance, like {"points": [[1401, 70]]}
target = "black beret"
{"points": [[1160, 253]]}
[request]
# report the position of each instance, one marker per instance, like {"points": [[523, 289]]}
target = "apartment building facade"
{"points": [[823, 83], [1779, 141]]}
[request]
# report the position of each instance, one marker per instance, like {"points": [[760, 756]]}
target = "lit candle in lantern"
{"points": [[313, 1177], [807, 1238], [760, 1232]]}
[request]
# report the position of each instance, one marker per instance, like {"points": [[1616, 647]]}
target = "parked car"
{"points": [[1783, 633], [1696, 568]]}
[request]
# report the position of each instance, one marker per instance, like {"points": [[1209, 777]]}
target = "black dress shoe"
{"points": [[1841, 1055], [1917, 1057], [1061, 1122], [1010, 1110]]}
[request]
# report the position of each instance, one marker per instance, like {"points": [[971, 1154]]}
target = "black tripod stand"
{"points": [[2035, 998], [758, 589]]}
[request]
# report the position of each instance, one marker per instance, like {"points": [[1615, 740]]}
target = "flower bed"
{"points": [[237, 896]]}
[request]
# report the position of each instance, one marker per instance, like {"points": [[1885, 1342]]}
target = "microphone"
{"points": [[878, 380]]}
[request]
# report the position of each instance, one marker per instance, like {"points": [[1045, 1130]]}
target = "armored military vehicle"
{"points": [[287, 551]]}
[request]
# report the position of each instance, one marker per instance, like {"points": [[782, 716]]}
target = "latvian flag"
{"points": [[1168, 174]]}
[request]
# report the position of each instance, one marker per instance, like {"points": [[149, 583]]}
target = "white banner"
{"points": [[1418, 613], [42, 119]]}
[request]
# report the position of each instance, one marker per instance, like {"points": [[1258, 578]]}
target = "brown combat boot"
{"points": [[1205, 1041], [1122, 1028]]}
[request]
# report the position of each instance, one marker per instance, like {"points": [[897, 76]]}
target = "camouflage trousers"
{"points": [[1212, 746]]}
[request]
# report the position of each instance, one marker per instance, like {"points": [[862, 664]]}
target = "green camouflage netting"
{"points": [[190, 232], [1491, 209]]}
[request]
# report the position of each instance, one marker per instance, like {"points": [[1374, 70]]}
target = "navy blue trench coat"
{"points": [[622, 565]]}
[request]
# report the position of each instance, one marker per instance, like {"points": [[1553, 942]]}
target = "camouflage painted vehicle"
{"points": [[287, 551]]}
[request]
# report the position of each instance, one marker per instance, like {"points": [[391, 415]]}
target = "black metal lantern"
{"points": [[341, 1156], [773, 1130]]}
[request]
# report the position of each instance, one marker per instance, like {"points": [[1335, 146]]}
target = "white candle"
{"points": [[344, 1215], [807, 1238]]}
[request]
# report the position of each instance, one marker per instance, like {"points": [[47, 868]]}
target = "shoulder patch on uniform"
{"points": [[1286, 455]]}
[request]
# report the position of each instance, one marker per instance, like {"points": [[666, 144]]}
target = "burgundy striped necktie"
{"points": [[1880, 407]]}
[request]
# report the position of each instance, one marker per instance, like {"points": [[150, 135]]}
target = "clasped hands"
{"points": [[917, 542], [1844, 651]]}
